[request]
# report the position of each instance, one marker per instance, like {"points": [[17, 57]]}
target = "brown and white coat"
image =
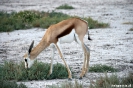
{"points": [[74, 29]]}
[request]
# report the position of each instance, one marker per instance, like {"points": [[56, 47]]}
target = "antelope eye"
{"points": [[25, 60]]}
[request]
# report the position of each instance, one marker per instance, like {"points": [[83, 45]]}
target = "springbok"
{"points": [[73, 29]]}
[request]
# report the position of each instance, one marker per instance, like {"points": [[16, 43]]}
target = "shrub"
{"points": [[102, 68], [16, 21], [110, 82], [9, 23], [65, 6], [28, 16], [49, 19], [8, 84], [39, 71], [128, 79]]}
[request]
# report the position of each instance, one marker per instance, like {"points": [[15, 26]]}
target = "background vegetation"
{"points": [[28, 19], [65, 6]]}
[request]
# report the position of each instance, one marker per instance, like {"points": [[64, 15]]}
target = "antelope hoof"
{"points": [[69, 79], [84, 75], [80, 78]]}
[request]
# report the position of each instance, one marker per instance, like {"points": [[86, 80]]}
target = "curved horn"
{"points": [[31, 46]]}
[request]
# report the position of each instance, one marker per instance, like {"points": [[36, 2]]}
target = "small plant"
{"points": [[8, 84], [65, 6], [131, 29], [128, 79], [67, 85], [39, 71], [112, 82], [128, 23], [102, 68]]}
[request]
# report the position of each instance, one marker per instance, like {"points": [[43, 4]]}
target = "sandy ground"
{"points": [[111, 46]]}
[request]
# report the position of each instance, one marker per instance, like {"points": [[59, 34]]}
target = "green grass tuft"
{"points": [[65, 6], [39, 71], [131, 29], [102, 68]]}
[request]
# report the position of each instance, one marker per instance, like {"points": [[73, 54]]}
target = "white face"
{"points": [[28, 61]]}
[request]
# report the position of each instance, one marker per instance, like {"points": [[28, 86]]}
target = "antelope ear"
{"points": [[31, 46]]}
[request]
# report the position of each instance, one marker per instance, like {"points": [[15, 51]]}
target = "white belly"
{"points": [[67, 38]]}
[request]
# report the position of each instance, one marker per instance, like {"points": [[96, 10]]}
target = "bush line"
{"points": [[30, 18]]}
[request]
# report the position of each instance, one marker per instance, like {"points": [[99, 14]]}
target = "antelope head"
{"points": [[28, 61]]}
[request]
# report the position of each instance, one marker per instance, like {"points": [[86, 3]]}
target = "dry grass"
{"points": [[128, 23], [109, 82], [67, 84]]}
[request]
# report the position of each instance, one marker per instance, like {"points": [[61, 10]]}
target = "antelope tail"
{"points": [[89, 36]]}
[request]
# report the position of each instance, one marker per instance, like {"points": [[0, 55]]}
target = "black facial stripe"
{"points": [[27, 64]]}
